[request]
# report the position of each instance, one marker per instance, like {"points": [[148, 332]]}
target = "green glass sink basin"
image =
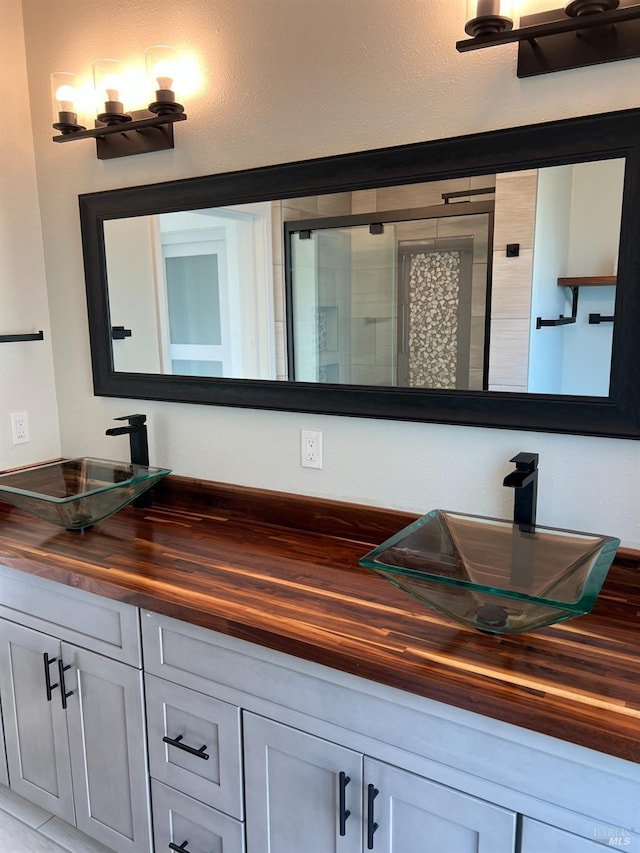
{"points": [[493, 575], [77, 493]]}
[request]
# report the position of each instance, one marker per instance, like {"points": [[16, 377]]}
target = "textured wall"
{"points": [[292, 79], [26, 369]]}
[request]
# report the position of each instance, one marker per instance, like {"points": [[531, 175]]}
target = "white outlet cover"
{"points": [[19, 427], [310, 448]]}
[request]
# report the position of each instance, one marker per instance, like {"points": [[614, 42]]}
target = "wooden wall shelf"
{"points": [[587, 281]]}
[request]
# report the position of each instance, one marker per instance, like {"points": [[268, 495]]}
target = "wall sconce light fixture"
{"points": [[584, 32], [119, 132]]}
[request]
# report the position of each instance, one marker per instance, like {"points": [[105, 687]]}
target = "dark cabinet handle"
{"points": [[182, 848], [49, 687], [372, 793], [177, 741], [344, 811], [64, 694]]}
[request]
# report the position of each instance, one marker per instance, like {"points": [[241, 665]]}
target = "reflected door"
{"points": [[197, 339], [442, 328]]}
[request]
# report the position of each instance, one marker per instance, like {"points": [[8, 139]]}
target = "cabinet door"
{"points": [[105, 716], [35, 725], [294, 788], [414, 814], [538, 837]]}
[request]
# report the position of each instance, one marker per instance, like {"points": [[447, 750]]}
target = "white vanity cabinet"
{"points": [[305, 793], [74, 717], [253, 750], [318, 743]]}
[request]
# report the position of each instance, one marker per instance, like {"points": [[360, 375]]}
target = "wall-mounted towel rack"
{"points": [[562, 320], [575, 282], [12, 339]]}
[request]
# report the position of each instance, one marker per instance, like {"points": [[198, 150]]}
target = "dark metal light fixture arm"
{"points": [[146, 132]]}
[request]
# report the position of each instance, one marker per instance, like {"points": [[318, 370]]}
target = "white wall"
{"points": [[577, 234], [286, 80], [553, 217], [26, 369], [596, 211]]}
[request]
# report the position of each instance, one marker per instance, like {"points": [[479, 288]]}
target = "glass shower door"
{"points": [[393, 303]]}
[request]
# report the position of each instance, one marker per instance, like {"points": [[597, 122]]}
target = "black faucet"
{"points": [[139, 447], [137, 432], [525, 482]]}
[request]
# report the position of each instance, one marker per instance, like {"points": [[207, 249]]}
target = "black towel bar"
{"points": [[12, 339]]}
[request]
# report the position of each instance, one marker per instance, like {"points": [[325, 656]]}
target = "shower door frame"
{"points": [[377, 218]]}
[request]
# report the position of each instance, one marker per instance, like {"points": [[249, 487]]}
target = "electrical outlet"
{"points": [[310, 449], [19, 427]]}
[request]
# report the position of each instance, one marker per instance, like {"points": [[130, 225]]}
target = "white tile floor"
{"points": [[25, 828]]}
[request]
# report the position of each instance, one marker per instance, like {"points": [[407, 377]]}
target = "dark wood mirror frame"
{"points": [[610, 135]]}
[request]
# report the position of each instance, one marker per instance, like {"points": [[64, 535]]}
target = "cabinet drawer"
{"points": [[98, 624], [541, 838], [205, 758], [178, 819]]}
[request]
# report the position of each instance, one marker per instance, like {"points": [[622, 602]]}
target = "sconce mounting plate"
{"points": [[579, 49], [145, 133]]}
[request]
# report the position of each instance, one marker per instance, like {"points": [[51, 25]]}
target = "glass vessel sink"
{"points": [[77, 493], [493, 575]]}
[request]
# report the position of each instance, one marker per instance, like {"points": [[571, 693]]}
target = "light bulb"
{"points": [[107, 77], [65, 96], [163, 73], [64, 101], [161, 64], [111, 85]]}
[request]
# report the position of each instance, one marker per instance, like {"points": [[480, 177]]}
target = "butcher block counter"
{"points": [[282, 571]]}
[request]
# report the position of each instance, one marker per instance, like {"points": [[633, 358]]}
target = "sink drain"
{"points": [[491, 616], [81, 521]]}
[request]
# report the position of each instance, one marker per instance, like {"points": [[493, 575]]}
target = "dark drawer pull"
{"points": [[64, 694], [49, 687], [344, 811], [177, 741], [372, 793], [182, 848]]}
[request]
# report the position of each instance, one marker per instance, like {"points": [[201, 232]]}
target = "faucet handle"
{"points": [[134, 420], [526, 461]]}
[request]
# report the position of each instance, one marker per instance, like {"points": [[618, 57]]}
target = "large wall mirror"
{"points": [[487, 280]]}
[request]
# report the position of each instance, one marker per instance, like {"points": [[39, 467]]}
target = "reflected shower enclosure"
{"points": [[394, 298]]}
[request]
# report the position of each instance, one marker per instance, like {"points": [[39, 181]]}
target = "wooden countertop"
{"points": [[282, 571]]}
